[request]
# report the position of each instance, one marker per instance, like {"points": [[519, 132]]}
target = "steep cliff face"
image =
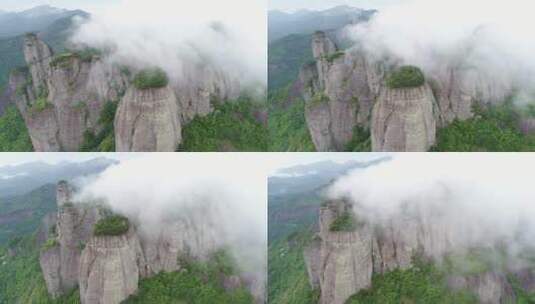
{"points": [[339, 90], [73, 225], [404, 120], [203, 85], [109, 268], [148, 120], [341, 263], [342, 87], [62, 96]]}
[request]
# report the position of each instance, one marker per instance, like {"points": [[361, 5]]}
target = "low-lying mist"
{"points": [[476, 200], [211, 190], [491, 37], [180, 37]]}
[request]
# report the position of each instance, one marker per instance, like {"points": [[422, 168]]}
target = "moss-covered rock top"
{"points": [[151, 78], [112, 225], [406, 77], [345, 222]]}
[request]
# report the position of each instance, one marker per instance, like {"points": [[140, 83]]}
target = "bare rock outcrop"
{"points": [[403, 120], [109, 268], [148, 120], [50, 261]]}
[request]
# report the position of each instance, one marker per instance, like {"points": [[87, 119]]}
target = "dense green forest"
{"points": [[492, 129], [232, 126], [13, 132], [287, 126]]}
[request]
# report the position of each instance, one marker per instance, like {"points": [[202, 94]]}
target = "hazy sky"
{"points": [[87, 5], [53, 158], [292, 5]]}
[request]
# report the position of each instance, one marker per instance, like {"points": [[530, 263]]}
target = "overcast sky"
{"points": [[54, 158], [266, 162], [87, 5], [293, 5]]}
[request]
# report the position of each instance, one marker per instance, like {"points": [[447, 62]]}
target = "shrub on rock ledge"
{"points": [[406, 77], [345, 222], [151, 78], [112, 225]]}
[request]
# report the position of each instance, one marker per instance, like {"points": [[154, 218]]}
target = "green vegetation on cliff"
{"points": [[492, 129], [21, 280], [422, 283], [345, 222], [406, 77], [13, 132], [150, 78], [103, 141], [112, 225], [232, 126], [197, 283], [287, 276], [287, 125]]}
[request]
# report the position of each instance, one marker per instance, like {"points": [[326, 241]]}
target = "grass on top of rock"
{"points": [[112, 225], [406, 77], [63, 60], [344, 222], [332, 57], [150, 78]]}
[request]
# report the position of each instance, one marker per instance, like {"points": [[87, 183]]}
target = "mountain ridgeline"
{"points": [[77, 99], [347, 91], [105, 257]]}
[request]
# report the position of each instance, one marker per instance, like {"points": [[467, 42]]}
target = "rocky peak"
{"points": [[403, 119], [109, 268], [322, 46], [63, 193], [148, 120], [38, 56]]}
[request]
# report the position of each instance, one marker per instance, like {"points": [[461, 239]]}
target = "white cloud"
{"points": [[177, 35], [481, 198], [493, 36]]}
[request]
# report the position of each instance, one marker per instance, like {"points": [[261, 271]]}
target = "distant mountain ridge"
{"points": [[20, 179], [282, 24], [34, 19]]}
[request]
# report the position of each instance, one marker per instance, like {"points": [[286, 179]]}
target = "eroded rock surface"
{"points": [[404, 120], [109, 268], [148, 120]]}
